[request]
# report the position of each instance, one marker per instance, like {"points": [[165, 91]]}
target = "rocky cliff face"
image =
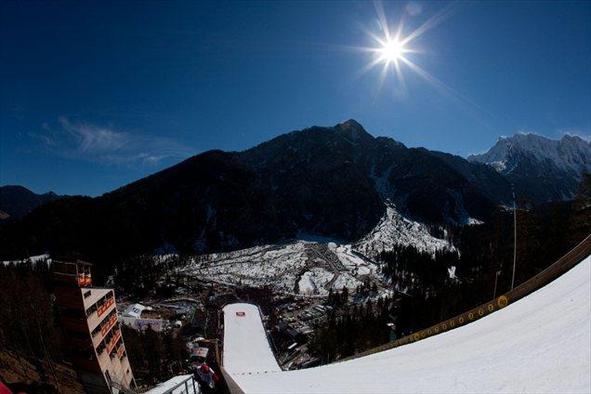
{"points": [[541, 169]]}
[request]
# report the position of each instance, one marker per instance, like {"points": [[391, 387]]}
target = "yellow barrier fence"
{"points": [[562, 265]]}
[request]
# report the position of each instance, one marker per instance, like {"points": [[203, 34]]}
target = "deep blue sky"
{"points": [[93, 96]]}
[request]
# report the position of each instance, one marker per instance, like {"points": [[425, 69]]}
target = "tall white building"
{"points": [[93, 334]]}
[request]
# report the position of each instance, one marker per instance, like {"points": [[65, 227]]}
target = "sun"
{"points": [[392, 51]]}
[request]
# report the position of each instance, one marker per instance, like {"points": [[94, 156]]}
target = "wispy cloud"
{"points": [[108, 145]]}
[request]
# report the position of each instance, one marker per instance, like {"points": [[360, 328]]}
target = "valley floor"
{"points": [[313, 269]]}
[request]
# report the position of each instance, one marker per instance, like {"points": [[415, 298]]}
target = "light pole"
{"points": [[496, 280], [515, 240]]}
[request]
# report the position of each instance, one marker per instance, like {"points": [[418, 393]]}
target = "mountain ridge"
{"points": [[541, 168], [16, 201], [325, 181]]}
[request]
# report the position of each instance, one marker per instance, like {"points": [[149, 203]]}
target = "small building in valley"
{"points": [[140, 317]]}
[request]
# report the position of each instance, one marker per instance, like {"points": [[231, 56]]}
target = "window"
{"points": [[87, 294], [96, 330], [91, 310]]}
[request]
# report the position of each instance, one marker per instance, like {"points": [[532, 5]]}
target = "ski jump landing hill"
{"points": [[537, 340]]}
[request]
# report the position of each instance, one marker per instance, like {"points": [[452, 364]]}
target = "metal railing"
{"points": [[562, 265], [117, 387], [184, 386]]}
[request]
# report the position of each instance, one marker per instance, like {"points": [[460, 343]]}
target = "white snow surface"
{"points": [[540, 344], [316, 266], [394, 229], [246, 348], [314, 281], [474, 222], [32, 259], [570, 153], [278, 266]]}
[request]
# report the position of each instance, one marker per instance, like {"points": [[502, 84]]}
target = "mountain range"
{"points": [[17, 201], [540, 168], [325, 181]]}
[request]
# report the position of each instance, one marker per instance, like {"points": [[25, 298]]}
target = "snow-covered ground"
{"points": [[246, 348], [394, 229], [312, 267], [540, 344], [314, 281], [277, 266], [570, 153], [31, 259], [474, 222], [302, 267]]}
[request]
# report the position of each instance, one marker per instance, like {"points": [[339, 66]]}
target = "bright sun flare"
{"points": [[392, 51]]}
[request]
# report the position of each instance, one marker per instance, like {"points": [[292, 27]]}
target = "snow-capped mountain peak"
{"points": [[540, 168], [570, 153]]}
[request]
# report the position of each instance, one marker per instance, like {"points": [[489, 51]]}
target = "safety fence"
{"points": [[562, 265], [186, 386]]}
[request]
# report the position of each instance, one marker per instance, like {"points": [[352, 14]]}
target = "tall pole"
{"points": [[496, 281], [515, 240]]}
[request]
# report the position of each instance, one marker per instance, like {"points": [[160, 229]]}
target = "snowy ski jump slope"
{"points": [[538, 344], [246, 349]]}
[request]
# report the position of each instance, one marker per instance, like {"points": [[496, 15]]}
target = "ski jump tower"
{"points": [[94, 339]]}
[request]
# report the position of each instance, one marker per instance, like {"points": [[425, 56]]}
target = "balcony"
{"points": [[105, 306], [100, 298], [113, 341], [107, 325], [119, 353]]}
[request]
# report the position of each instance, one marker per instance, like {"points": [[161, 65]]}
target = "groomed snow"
{"points": [[538, 344], [246, 349]]}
